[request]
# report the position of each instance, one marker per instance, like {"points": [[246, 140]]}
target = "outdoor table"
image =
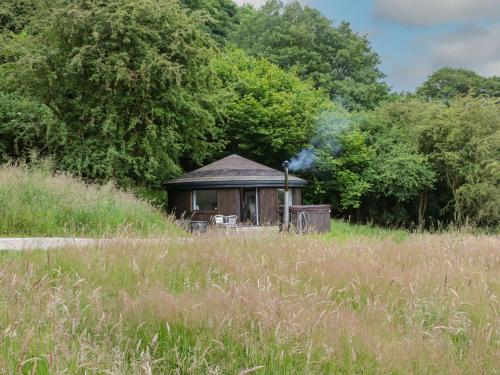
{"points": [[198, 226]]}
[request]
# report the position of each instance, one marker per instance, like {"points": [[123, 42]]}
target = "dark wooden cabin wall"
{"points": [[296, 196], [268, 206], [179, 202], [229, 202]]}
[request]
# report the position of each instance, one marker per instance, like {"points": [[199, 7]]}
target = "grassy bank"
{"points": [[35, 202], [274, 304]]}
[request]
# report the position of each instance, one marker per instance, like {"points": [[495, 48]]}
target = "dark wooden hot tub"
{"points": [[309, 218]]}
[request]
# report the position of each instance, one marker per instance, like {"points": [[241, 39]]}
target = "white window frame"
{"points": [[193, 199]]}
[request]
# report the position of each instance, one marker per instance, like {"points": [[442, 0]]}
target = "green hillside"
{"points": [[36, 202]]}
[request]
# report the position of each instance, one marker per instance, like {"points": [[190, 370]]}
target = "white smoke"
{"points": [[328, 129], [303, 160]]}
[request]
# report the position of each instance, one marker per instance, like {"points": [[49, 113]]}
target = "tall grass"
{"points": [[266, 305], [343, 231], [36, 202]]}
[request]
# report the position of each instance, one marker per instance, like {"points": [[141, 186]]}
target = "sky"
{"points": [[416, 37]]}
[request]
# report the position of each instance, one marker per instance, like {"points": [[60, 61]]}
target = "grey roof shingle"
{"points": [[234, 171]]}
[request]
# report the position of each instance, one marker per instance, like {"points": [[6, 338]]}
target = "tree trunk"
{"points": [[422, 206]]}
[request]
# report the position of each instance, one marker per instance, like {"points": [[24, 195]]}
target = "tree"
{"points": [[460, 141], [300, 38], [16, 14], [463, 143], [339, 157], [130, 80], [410, 161], [346, 171], [222, 16], [448, 83], [361, 164], [27, 126], [270, 113], [398, 173]]}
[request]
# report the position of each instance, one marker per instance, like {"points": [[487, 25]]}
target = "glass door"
{"points": [[250, 206]]}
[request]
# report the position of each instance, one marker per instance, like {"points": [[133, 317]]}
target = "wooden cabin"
{"points": [[233, 186]]}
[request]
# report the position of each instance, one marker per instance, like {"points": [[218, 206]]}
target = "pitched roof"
{"points": [[234, 171]]}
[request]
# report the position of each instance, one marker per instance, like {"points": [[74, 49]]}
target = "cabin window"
{"points": [[205, 200], [281, 197]]}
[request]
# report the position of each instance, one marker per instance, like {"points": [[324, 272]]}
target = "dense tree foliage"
{"points": [[411, 161], [27, 126], [270, 113], [336, 160], [128, 78], [222, 16], [16, 14], [301, 38], [367, 168], [448, 83], [136, 91], [462, 141], [399, 173]]}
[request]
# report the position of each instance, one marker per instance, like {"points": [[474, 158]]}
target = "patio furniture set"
{"points": [[221, 221]]}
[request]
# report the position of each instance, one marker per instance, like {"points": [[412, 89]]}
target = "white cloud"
{"points": [[434, 12], [476, 48], [408, 74]]}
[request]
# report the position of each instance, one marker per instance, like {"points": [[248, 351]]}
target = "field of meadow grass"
{"points": [[344, 231], [267, 304], [36, 202]]}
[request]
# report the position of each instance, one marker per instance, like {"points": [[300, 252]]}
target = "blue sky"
{"points": [[416, 37]]}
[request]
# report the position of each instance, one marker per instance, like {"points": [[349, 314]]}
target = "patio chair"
{"points": [[231, 222], [218, 220]]}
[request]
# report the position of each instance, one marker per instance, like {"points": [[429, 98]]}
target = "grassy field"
{"points": [[344, 231], [424, 304], [359, 300], [35, 202]]}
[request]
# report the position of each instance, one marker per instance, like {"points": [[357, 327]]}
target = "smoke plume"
{"points": [[328, 128], [303, 160]]}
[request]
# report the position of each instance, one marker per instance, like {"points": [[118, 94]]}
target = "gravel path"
{"points": [[57, 242], [32, 243]]}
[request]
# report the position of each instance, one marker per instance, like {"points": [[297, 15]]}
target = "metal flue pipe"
{"points": [[285, 208]]}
